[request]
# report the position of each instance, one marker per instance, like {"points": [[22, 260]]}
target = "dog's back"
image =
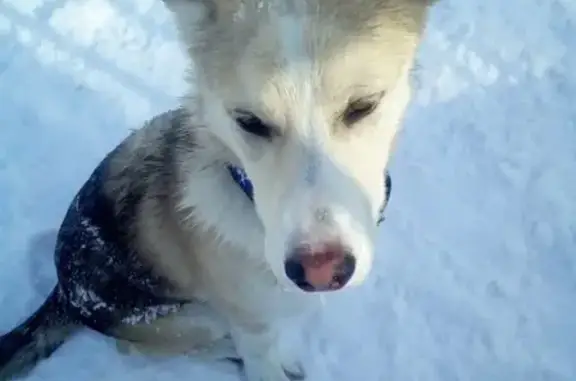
{"points": [[102, 279]]}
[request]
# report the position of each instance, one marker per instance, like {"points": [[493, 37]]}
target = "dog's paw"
{"points": [[259, 370]]}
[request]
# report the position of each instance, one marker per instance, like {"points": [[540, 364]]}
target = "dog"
{"points": [[220, 223]]}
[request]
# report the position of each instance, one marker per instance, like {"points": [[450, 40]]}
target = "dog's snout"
{"points": [[327, 269]]}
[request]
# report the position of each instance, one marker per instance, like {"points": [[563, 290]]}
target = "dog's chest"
{"points": [[244, 284]]}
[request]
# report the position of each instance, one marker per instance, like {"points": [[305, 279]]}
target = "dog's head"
{"points": [[308, 95]]}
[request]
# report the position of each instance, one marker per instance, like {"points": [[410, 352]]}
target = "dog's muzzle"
{"points": [[328, 268]]}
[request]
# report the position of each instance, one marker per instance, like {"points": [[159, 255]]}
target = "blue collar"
{"points": [[241, 178]]}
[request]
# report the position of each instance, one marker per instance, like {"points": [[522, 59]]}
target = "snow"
{"points": [[476, 270]]}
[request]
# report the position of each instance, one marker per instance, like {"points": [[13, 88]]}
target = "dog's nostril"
{"points": [[295, 271], [344, 272]]}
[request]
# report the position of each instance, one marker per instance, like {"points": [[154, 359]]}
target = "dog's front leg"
{"points": [[258, 345]]}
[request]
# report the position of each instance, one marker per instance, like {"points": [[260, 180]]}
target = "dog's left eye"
{"points": [[253, 125], [361, 108]]}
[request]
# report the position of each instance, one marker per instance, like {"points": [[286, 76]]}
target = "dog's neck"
{"points": [[214, 194]]}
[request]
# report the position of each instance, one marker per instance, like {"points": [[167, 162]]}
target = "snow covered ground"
{"points": [[476, 273]]}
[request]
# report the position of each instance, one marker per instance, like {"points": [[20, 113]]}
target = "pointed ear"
{"points": [[427, 2], [204, 8], [195, 17], [211, 10], [192, 18]]}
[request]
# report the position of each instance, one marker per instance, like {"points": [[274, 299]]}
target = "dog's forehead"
{"points": [[278, 57], [353, 13], [294, 54], [318, 29]]}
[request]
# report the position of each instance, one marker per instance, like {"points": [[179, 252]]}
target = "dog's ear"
{"points": [[430, 3], [193, 18], [424, 2], [207, 10], [418, 3], [196, 8]]}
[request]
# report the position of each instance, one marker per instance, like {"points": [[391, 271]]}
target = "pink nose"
{"points": [[321, 270]]}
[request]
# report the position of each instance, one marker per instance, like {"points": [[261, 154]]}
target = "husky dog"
{"points": [[216, 223]]}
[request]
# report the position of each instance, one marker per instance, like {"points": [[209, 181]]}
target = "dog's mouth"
{"points": [[306, 286]]}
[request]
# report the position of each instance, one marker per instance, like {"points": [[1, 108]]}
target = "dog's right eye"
{"points": [[254, 125], [361, 108]]}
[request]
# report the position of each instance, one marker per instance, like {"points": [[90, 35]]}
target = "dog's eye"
{"points": [[253, 125], [361, 108]]}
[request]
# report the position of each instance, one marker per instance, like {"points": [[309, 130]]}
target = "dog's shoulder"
{"points": [[98, 251], [145, 163]]}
